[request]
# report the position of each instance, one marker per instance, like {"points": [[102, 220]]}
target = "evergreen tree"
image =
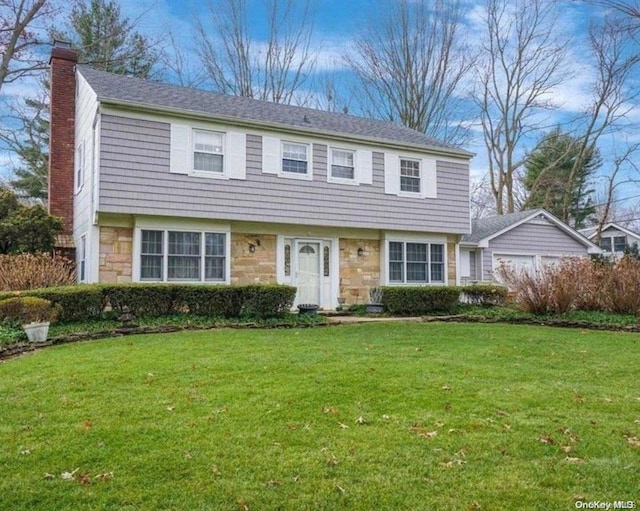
{"points": [[550, 180]]}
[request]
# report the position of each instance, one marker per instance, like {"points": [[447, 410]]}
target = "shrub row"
{"points": [[484, 294], [35, 271], [407, 301], [93, 301]]}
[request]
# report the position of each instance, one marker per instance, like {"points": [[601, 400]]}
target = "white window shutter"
{"points": [[429, 178], [271, 161], [236, 155], [364, 171], [391, 174], [180, 159]]}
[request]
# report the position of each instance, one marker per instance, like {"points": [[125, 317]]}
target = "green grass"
{"points": [[402, 416]]}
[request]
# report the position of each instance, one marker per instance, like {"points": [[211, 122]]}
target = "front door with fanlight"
{"points": [[308, 272]]}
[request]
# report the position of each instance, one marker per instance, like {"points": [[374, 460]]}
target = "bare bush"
{"points": [[576, 284], [33, 271]]}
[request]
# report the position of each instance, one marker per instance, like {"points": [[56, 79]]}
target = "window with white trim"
{"points": [[208, 151], [80, 160], [410, 175], [416, 263], [342, 164], [294, 158], [617, 243], [182, 256], [82, 259]]}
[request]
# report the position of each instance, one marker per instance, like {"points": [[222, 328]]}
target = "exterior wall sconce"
{"points": [[252, 248], [360, 252]]}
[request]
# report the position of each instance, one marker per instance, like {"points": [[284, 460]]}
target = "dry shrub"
{"points": [[19, 272], [577, 284]]}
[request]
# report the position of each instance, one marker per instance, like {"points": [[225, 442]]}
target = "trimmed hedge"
{"points": [[20, 310], [407, 301], [93, 301], [485, 294]]}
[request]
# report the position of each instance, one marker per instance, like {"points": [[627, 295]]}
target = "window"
{"points": [[619, 243], [410, 175], [342, 164], [414, 263], [207, 151], [79, 166], [287, 260], [294, 158], [82, 260], [187, 256], [325, 261]]}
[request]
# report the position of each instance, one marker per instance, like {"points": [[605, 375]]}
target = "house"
{"points": [[526, 239], [614, 238], [160, 183]]}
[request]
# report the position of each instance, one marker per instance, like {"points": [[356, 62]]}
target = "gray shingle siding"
{"points": [[135, 179]]}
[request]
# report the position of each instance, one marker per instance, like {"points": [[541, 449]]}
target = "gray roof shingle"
{"points": [[485, 227], [114, 88]]}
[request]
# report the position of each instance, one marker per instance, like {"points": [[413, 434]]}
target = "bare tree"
{"points": [[410, 63], [521, 63], [274, 69], [179, 62], [18, 39]]}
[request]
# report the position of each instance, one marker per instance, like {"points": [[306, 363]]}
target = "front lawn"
{"points": [[389, 416]]}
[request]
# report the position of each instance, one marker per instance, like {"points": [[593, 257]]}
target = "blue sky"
{"points": [[338, 21]]}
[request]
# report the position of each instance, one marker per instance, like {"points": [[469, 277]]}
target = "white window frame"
{"points": [[420, 177], [342, 180], [81, 272], [207, 173], [165, 254], [429, 262], [308, 176], [80, 164]]}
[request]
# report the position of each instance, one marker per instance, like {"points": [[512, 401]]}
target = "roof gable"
{"points": [[485, 229], [133, 92], [590, 232]]}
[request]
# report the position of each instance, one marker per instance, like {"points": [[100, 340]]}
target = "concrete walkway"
{"points": [[364, 319]]}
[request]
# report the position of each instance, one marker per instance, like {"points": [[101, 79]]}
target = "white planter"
{"points": [[37, 332]]}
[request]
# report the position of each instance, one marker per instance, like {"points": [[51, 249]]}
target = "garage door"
{"points": [[518, 262]]}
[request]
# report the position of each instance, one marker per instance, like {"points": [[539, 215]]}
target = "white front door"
{"points": [[307, 272]]}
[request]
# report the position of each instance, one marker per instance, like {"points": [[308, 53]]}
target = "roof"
{"points": [[485, 229], [141, 93], [590, 232]]}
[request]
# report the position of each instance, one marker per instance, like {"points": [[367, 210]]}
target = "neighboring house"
{"points": [[614, 238], [159, 183], [527, 239]]}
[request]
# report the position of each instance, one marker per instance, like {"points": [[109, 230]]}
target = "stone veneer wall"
{"points": [[258, 267], [451, 264], [358, 273], [116, 254]]}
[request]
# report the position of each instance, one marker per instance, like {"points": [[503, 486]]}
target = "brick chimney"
{"points": [[62, 136]]}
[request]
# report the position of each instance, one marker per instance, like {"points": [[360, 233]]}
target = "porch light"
{"points": [[360, 252], [252, 248]]}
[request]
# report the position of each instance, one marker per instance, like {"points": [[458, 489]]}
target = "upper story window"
{"points": [[208, 151], [80, 163], [618, 243], [294, 158], [410, 175], [416, 263], [343, 164]]}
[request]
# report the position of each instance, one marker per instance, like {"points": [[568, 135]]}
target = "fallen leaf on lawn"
{"points": [[462, 453], [428, 434], [330, 409], [216, 471], [446, 387], [453, 463], [340, 488], [475, 505], [507, 427], [84, 479], [452, 430], [547, 440], [243, 505], [273, 483], [67, 476], [633, 441], [188, 455], [87, 424], [608, 400], [104, 476], [47, 475], [385, 417], [171, 408], [25, 452], [501, 412], [295, 479], [566, 448], [332, 461], [343, 426], [637, 421], [361, 420], [570, 459], [439, 424]]}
